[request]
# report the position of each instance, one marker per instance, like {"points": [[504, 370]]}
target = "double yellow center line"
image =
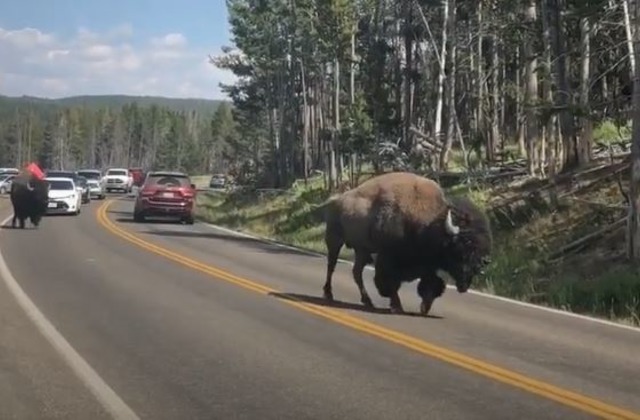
{"points": [[560, 395]]}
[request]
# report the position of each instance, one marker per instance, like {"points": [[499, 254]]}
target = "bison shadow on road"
{"points": [[251, 242], [338, 304]]}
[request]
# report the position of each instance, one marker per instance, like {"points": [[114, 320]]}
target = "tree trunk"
{"points": [[586, 128], [633, 232], [531, 93], [630, 37], [437, 126], [451, 95]]}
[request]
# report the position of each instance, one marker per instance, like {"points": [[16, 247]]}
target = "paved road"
{"points": [[209, 337]]}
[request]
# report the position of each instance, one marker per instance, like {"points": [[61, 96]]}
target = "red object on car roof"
{"points": [[35, 170]]}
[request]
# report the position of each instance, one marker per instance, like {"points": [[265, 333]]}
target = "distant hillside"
{"points": [[203, 106]]}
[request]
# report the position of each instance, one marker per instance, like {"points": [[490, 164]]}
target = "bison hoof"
{"points": [[328, 295], [425, 307], [366, 301], [396, 309]]}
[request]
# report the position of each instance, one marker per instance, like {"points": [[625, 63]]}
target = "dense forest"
{"points": [[527, 106], [102, 131], [431, 86]]}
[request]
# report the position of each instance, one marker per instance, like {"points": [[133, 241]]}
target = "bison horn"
{"points": [[451, 228], [30, 187]]}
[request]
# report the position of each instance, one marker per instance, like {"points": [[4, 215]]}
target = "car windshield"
{"points": [[117, 172], [60, 185], [90, 174], [168, 180], [4, 177]]}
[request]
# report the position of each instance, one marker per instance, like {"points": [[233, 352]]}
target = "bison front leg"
{"points": [[388, 287], [430, 288], [395, 304]]}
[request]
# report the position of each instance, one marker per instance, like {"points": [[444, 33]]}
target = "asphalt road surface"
{"points": [[190, 322]]}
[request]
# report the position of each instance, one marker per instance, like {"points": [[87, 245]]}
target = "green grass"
{"points": [[588, 283]]}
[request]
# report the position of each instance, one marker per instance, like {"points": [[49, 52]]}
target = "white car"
{"points": [[117, 179], [5, 183], [64, 197]]}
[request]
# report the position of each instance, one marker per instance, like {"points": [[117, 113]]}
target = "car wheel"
{"points": [[189, 220], [138, 217]]}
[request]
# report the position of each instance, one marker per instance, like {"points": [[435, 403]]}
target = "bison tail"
{"points": [[319, 211]]}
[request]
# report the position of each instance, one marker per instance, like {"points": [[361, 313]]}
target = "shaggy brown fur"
{"points": [[398, 210]]}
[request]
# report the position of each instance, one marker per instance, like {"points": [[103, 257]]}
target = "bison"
{"points": [[414, 231], [29, 197]]}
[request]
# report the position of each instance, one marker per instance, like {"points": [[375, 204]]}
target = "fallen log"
{"points": [[588, 239]]}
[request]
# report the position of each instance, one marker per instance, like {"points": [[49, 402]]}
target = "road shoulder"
{"points": [[34, 380]]}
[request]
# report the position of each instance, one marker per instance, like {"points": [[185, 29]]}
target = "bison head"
{"points": [[467, 250]]}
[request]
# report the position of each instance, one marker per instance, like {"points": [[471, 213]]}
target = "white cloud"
{"points": [[91, 63], [170, 41]]}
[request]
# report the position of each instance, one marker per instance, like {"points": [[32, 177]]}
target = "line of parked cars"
{"points": [[69, 190], [165, 194]]}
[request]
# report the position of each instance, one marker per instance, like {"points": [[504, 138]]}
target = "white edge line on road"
{"points": [[105, 395], [473, 292]]}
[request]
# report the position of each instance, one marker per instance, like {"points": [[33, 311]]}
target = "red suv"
{"points": [[166, 194]]}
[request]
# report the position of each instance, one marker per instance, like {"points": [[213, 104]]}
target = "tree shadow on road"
{"points": [[243, 240], [338, 304]]}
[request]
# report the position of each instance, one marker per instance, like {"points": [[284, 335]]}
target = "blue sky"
{"points": [[56, 48]]}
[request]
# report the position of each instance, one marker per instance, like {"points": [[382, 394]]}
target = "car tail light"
{"points": [[186, 193], [146, 193]]}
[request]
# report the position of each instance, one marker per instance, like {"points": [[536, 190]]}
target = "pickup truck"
{"points": [[117, 179]]}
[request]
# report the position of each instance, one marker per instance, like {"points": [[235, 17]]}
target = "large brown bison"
{"points": [[414, 231]]}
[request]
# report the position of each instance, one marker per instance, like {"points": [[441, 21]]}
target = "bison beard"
{"points": [[406, 220], [29, 197]]}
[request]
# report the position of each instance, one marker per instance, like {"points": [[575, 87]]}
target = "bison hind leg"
{"points": [[334, 244], [361, 259], [22, 222]]}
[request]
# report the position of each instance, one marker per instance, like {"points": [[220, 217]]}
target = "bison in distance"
{"points": [[414, 231], [29, 198]]}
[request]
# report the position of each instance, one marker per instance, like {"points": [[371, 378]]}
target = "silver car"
{"points": [[95, 189], [94, 181]]}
